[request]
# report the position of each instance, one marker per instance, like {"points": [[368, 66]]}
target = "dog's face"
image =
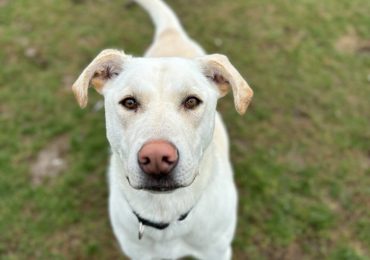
{"points": [[160, 112], [160, 99]]}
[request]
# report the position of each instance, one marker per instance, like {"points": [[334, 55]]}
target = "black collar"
{"points": [[158, 225]]}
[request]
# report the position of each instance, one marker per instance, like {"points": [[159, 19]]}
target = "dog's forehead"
{"points": [[162, 72], [163, 65]]}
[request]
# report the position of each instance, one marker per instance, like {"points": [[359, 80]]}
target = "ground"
{"points": [[301, 154]]}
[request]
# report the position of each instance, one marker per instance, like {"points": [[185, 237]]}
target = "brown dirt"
{"points": [[50, 161], [352, 43], [3, 2]]}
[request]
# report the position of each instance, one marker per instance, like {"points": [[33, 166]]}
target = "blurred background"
{"points": [[301, 153]]}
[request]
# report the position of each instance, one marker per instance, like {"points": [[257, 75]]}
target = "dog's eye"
{"points": [[191, 102], [129, 103]]}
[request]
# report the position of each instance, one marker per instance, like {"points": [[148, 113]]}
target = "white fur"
{"points": [[203, 167], [170, 72]]}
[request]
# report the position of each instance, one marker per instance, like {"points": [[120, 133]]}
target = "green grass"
{"points": [[301, 154]]}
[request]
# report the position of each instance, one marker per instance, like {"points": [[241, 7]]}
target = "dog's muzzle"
{"points": [[157, 160]]}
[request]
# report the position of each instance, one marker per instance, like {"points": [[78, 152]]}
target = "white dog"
{"points": [[172, 192]]}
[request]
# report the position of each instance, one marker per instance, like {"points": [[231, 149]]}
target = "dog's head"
{"points": [[160, 112]]}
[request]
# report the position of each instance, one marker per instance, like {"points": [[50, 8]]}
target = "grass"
{"points": [[301, 154]]}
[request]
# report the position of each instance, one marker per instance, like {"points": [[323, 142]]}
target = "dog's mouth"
{"points": [[160, 185], [155, 189]]}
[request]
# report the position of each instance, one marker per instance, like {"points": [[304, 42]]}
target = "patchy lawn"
{"points": [[301, 153]]}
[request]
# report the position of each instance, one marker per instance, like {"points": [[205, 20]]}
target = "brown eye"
{"points": [[130, 103], [191, 102]]}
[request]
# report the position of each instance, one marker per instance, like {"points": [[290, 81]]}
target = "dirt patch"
{"points": [[36, 56], [352, 43], [3, 2], [5, 112], [50, 161]]}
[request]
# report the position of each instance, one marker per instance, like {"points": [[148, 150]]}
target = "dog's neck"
{"points": [[158, 225]]}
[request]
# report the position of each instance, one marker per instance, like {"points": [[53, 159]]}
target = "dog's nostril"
{"points": [[167, 160], [145, 161]]}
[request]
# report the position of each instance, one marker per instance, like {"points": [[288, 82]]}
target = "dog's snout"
{"points": [[158, 157]]}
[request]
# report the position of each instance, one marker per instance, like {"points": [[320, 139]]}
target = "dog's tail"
{"points": [[162, 15]]}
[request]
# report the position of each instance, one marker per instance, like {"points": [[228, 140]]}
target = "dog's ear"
{"points": [[218, 69], [107, 65]]}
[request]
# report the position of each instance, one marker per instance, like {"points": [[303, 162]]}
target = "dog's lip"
{"points": [[160, 190], [155, 189]]}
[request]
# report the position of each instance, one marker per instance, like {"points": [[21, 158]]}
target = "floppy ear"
{"points": [[218, 68], [107, 65]]}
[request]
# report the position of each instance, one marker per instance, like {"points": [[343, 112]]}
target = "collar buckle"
{"points": [[141, 230]]}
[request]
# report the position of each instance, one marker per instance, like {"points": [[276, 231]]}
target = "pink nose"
{"points": [[158, 157]]}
